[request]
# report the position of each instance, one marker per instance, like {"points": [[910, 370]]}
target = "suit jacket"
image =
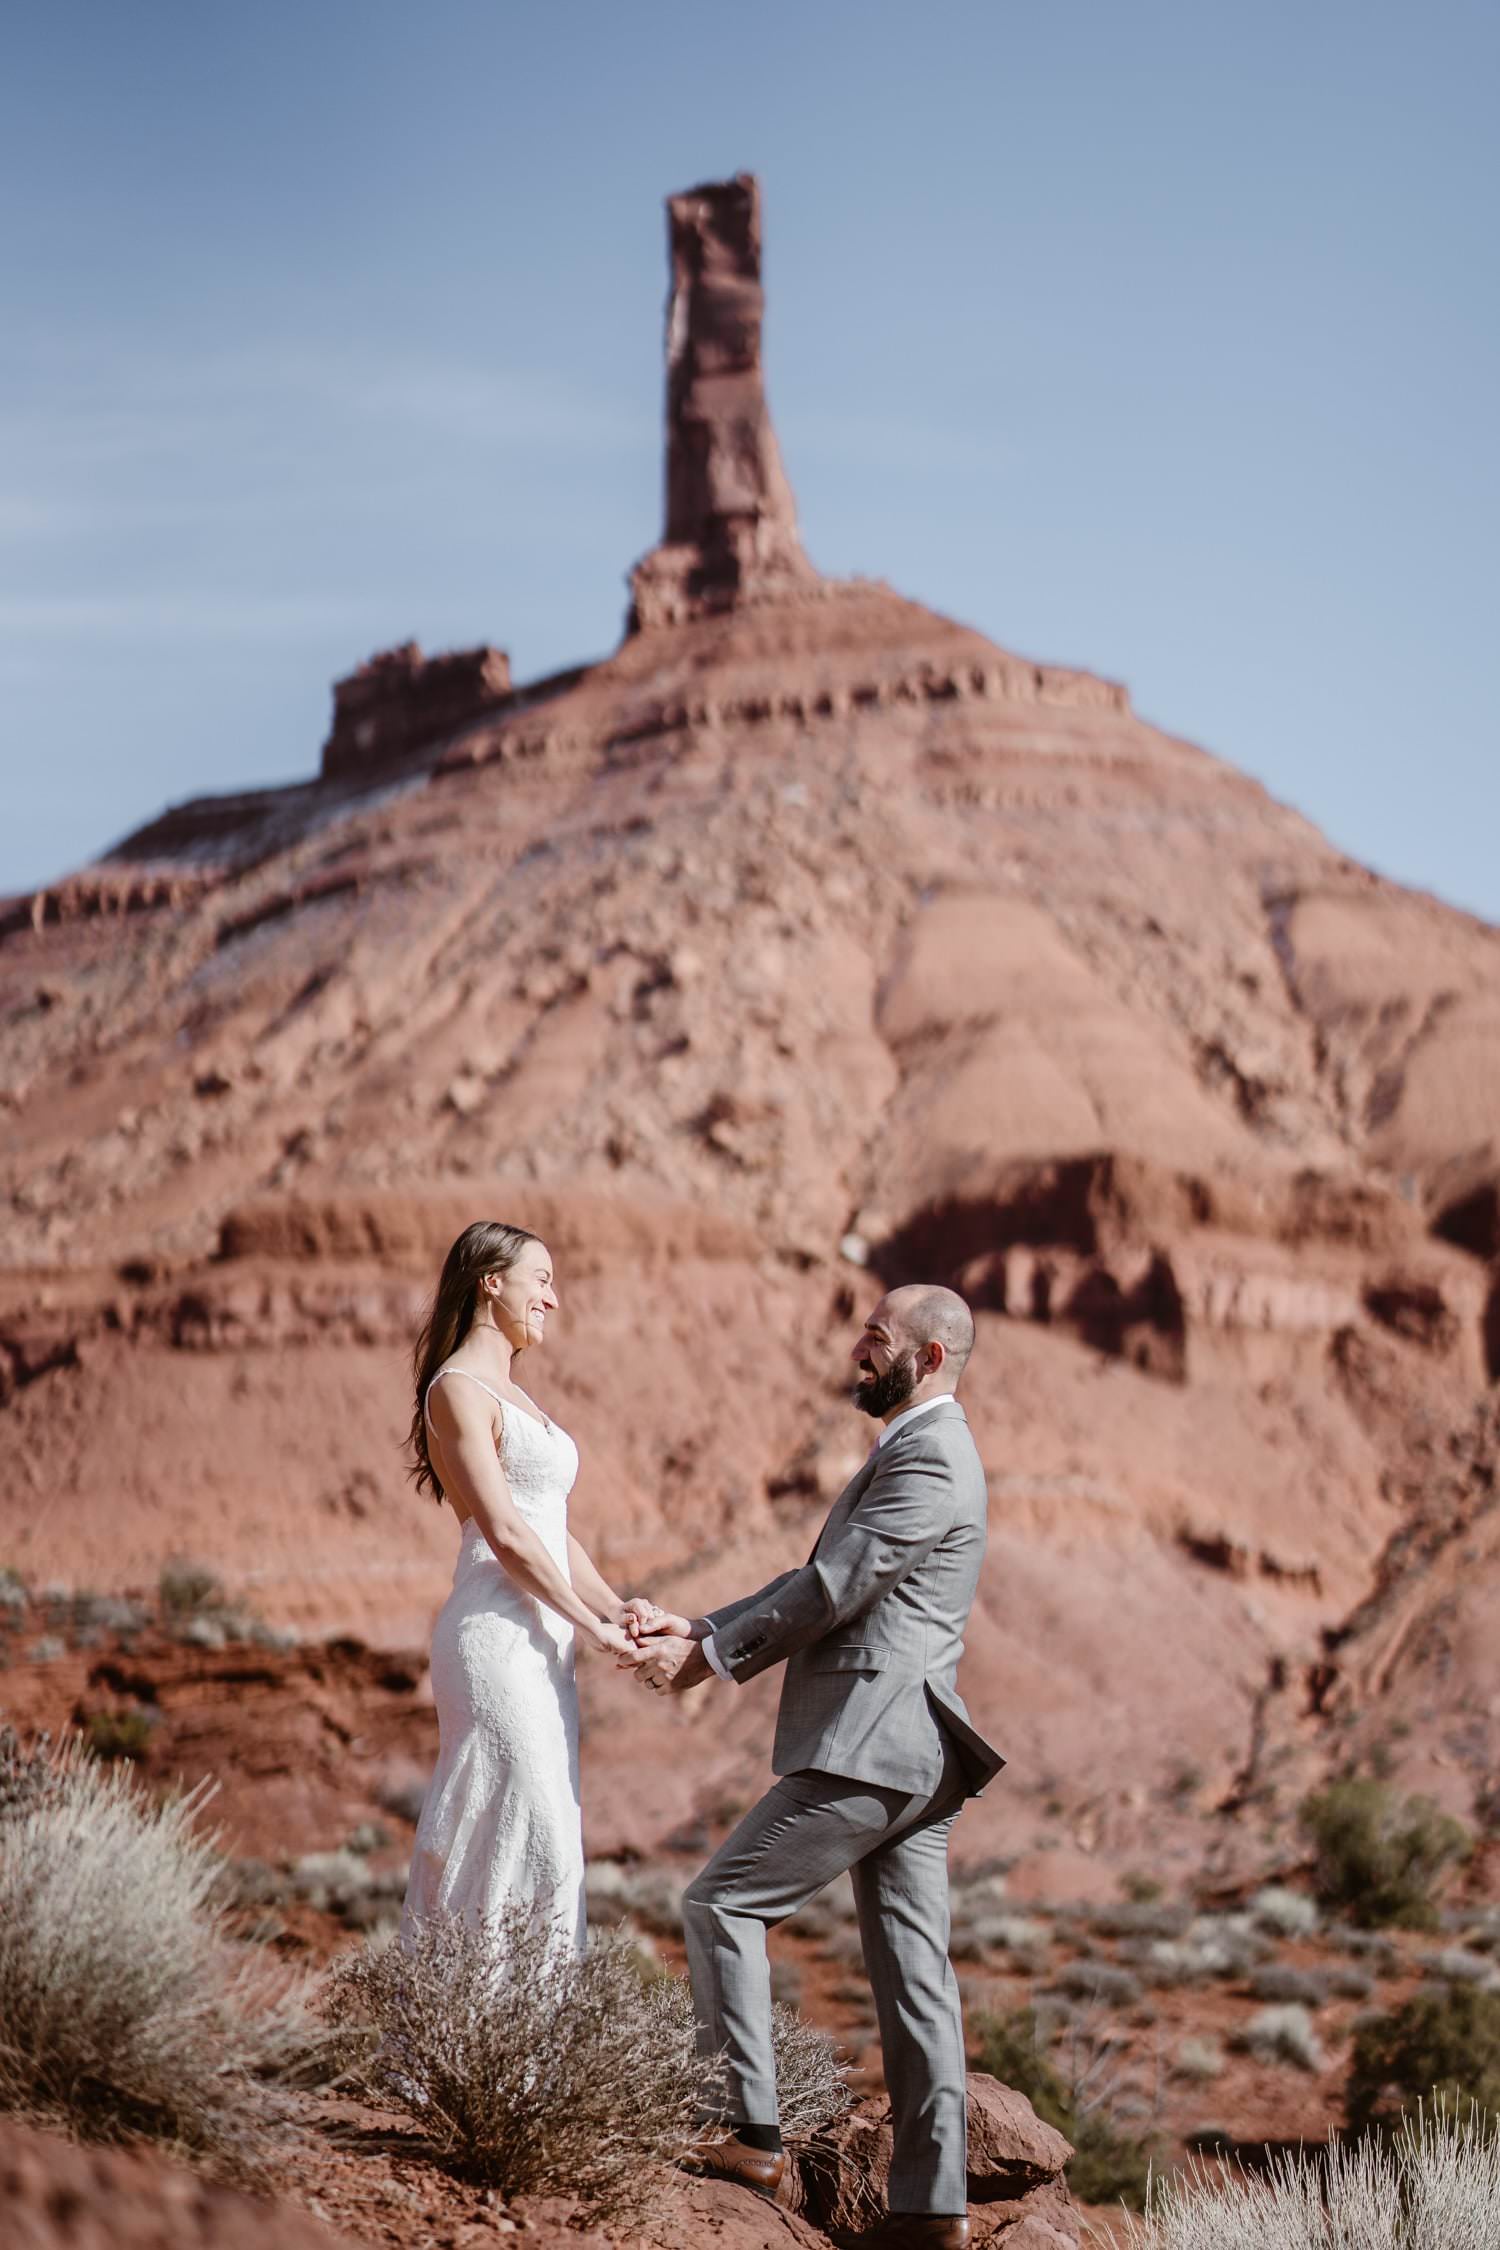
{"points": [[871, 1627]]}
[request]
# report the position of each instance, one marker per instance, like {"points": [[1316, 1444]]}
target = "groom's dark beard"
{"points": [[882, 1394]]}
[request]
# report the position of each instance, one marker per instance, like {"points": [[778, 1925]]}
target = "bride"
{"points": [[500, 1822]]}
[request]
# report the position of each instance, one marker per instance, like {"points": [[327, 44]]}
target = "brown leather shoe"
{"points": [[920, 2230], [717, 2155]]}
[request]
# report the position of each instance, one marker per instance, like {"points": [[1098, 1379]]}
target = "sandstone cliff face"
{"points": [[808, 941]]}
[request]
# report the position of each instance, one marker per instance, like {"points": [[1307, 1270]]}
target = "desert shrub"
{"points": [[330, 1881], [647, 1896], [118, 1734], [1435, 2185], [1025, 1940], [1230, 1944], [1282, 2034], [1185, 1960], [250, 1883], [198, 1612], [185, 1588], [402, 1791], [124, 2006], [1140, 1917], [1199, 2059], [812, 2083], [1377, 1855], [109, 1613], [1278, 1980], [530, 2069], [1373, 1946], [30, 1774], [1443, 2042], [1018, 1933], [541, 2072], [1109, 2164], [343, 1883], [1139, 1887], [653, 1898], [1099, 1981], [1455, 1964], [1288, 1914]]}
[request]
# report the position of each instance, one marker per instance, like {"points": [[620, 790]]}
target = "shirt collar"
{"points": [[911, 1414]]}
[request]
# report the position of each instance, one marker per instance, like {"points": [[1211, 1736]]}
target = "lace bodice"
{"points": [[540, 1462]]}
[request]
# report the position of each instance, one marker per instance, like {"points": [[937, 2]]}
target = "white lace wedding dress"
{"points": [[501, 1818]]}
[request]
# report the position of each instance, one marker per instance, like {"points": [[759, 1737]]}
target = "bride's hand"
{"points": [[642, 1617], [609, 1640]]}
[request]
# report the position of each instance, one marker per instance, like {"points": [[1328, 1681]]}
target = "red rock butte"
{"points": [[809, 941]]}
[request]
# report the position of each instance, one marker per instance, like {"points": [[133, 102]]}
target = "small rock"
{"points": [[464, 1094], [1009, 2146], [1015, 2168]]}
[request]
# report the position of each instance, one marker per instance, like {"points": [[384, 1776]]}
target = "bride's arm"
{"points": [[636, 1616], [475, 1477], [595, 1589]]}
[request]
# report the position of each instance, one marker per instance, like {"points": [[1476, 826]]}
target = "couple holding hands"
{"points": [[874, 1752]]}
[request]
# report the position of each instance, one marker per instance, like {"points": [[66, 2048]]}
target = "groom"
{"points": [[875, 1755]]}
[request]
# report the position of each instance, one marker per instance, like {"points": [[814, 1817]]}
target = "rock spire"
{"points": [[730, 537]]}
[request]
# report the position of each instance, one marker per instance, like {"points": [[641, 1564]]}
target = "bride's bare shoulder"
{"points": [[458, 1395]]}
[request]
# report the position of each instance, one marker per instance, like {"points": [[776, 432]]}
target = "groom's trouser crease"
{"points": [[809, 1828]]}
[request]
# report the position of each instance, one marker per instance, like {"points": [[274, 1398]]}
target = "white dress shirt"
{"points": [[908, 1414]]}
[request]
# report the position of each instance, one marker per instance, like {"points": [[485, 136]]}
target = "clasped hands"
{"points": [[665, 1653]]}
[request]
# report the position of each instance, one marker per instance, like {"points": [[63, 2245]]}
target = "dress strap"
{"points": [[484, 1386]]}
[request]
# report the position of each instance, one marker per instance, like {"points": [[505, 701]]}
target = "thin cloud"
{"points": [[103, 440], [175, 616]]}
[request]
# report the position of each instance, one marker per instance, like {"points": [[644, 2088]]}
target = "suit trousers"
{"points": [[804, 1832]]}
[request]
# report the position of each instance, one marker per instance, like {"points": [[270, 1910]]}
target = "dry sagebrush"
{"points": [[1434, 2186], [124, 2007], [543, 2073]]}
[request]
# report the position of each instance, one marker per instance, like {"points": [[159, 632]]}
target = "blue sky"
{"points": [[1157, 338]]}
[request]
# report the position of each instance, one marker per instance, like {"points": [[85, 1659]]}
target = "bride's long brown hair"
{"points": [[488, 1246]]}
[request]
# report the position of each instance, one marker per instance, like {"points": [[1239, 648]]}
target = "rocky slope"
{"points": [[808, 941]]}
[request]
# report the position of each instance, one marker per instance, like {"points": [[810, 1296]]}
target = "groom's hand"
{"points": [[673, 1662], [642, 1617]]}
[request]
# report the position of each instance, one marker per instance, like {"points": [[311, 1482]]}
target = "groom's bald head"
{"points": [[925, 1314], [913, 1346]]}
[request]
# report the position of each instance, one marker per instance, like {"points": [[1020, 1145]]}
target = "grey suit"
{"points": [[876, 1754]]}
